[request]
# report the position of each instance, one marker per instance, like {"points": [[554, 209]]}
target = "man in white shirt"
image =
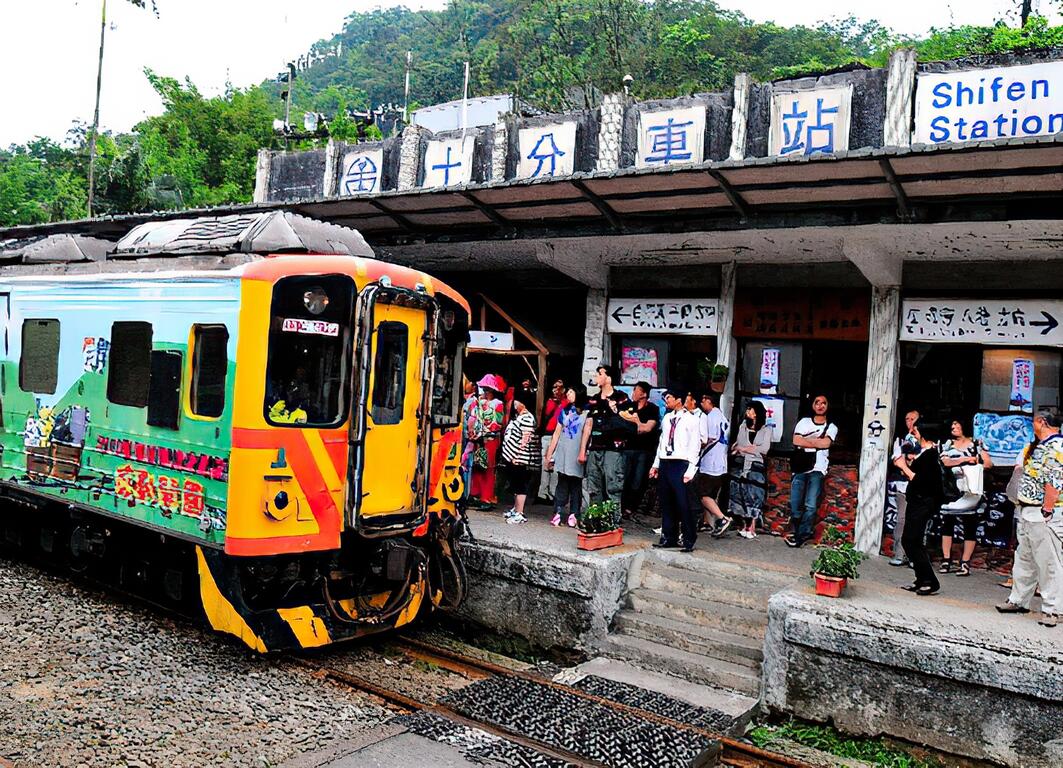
{"points": [[813, 435], [675, 465], [712, 469], [905, 451]]}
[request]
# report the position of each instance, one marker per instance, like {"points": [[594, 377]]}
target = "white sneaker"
{"points": [[510, 513], [516, 519], [658, 531], [572, 521]]}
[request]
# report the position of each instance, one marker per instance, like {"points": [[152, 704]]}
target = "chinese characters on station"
{"points": [[810, 122], [671, 137], [448, 162], [998, 103], [999, 321], [362, 172], [690, 317], [548, 150]]}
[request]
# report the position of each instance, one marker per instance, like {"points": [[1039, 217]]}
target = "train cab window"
{"points": [[164, 388], [210, 364], [389, 372], [38, 368], [308, 362], [453, 329], [129, 364]]}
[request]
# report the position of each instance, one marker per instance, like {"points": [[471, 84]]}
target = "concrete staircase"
{"points": [[698, 618]]}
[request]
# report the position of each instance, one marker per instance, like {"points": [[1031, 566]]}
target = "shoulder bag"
{"points": [[805, 461]]}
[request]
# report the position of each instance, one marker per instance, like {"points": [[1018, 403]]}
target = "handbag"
{"points": [[973, 479], [1012, 491], [805, 461]]}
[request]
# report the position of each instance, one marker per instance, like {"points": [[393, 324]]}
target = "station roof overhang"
{"points": [[927, 200]]}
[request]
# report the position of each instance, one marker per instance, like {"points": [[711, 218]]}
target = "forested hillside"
{"points": [[554, 54]]}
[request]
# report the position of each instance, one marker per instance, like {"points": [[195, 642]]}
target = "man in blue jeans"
{"points": [[814, 434]]}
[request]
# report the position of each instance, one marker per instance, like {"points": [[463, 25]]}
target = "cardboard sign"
{"points": [[989, 104], [689, 317], [774, 409], [810, 122], [548, 150], [496, 342], [671, 137], [310, 327]]}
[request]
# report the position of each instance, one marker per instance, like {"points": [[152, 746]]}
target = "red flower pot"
{"points": [[830, 586], [590, 541]]}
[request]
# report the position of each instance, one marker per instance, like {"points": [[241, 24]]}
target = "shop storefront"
{"points": [[793, 345], [989, 364]]}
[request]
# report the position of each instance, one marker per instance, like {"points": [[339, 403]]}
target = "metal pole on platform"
{"points": [[96, 112]]}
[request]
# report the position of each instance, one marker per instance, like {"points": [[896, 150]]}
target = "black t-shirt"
{"points": [[643, 441], [926, 485], [609, 432]]}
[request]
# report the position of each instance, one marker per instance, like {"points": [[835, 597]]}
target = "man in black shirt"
{"points": [[642, 418], [604, 474], [925, 497]]}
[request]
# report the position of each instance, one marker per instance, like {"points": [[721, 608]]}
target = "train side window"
{"points": [[389, 372], [129, 364], [210, 365], [38, 367], [164, 389]]}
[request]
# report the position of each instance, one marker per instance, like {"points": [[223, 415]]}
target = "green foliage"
{"points": [[837, 556], [874, 751], [600, 517]]}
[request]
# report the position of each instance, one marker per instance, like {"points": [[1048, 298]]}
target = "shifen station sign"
{"points": [[990, 104], [1025, 322]]}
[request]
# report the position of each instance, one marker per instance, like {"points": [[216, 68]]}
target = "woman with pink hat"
{"points": [[485, 429]]}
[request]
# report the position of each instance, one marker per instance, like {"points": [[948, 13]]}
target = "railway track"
{"points": [[731, 752]]}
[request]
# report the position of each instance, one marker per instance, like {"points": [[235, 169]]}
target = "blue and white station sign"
{"points": [[988, 104]]}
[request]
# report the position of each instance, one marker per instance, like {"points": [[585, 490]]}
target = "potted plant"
{"points": [[837, 562], [599, 526], [719, 377]]}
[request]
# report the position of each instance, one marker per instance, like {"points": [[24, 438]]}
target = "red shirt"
{"points": [[551, 411]]}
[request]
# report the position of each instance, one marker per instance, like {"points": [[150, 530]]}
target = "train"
{"points": [[246, 414]]}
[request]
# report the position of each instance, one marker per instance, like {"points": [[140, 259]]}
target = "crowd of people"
{"points": [[585, 449], [943, 477], [609, 446]]}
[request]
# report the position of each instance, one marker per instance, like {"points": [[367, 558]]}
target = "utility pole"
{"points": [[96, 113], [406, 90]]}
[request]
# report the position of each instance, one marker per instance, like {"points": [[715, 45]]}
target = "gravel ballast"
{"points": [[89, 679]]}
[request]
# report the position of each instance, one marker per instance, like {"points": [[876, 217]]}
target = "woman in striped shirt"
{"points": [[522, 454]]}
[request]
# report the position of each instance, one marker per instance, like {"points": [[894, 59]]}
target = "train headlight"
{"points": [[315, 300]]}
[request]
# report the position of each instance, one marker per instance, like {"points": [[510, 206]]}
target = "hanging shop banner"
{"points": [[362, 172], [490, 340], [839, 315], [1004, 435], [774, 414], [639, 364], [1021, 386], [688, 317], [671, 137], [989, 104], [1027, 322], [769, 371], [448, 162], [810, 122], [548, 150]]}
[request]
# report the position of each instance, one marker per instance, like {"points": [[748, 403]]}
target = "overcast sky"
{"points": [[49, 47]]}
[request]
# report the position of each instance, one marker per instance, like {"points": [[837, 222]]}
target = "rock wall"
{"points": [[553, 600], [913, 674]]}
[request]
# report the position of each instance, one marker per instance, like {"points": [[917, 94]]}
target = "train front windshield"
{"points": [[309, 365]]}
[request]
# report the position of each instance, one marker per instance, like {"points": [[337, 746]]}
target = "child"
{"points": [[567, 456]]}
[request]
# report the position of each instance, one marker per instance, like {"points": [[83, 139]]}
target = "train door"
{"points": [[391, 481]]}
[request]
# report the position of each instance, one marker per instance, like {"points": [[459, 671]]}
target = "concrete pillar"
{"points": [[261, 194], [726, 347], [610, 130], [880, 405], [500, 151], [595, 339], [900, 85], [332, 160], [410, 157], [740, 116]]}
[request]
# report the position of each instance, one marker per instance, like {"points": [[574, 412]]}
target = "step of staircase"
{"points": [[748, 591], [735, 619], [652, 655], [720, 567], [714, 644]]}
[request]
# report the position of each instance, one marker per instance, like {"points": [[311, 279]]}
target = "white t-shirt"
{"points": [[811, 430], [714, 427]]}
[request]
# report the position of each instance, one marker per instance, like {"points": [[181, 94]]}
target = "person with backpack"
{"points": [[929, 486]]}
